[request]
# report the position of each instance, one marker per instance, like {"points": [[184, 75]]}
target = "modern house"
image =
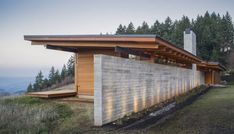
{"points": [[108, 64]]}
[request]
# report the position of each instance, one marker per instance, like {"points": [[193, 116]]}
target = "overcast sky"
{"points": [[30, 17]]}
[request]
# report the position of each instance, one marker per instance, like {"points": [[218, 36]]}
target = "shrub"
{"points": [[229, 77]]}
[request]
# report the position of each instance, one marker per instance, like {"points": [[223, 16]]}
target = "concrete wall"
{"points": [[122, 86]]}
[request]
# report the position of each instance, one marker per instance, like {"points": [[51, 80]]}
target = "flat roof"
{"points": [[56, 40], [147, 38], [106, 38], [94, 36]]}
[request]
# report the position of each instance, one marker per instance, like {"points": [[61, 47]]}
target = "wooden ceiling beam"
{"points": [[169, 45], [131, 51], [68, 49], [178, 60], [167, 51]]}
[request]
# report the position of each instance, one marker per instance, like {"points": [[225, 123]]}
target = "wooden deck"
{"points": [[53, 94]]}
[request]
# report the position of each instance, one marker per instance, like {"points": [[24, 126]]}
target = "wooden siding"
{"points": [[212, 77], [216, 77], [208, 77], [84, 81]]}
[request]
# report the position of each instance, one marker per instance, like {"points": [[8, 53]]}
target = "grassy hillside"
{"points": [[26, 115], [211, 113]]}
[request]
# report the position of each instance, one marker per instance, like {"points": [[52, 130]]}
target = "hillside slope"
{"points": [[66, 87], [26, 115], [211, 113]]}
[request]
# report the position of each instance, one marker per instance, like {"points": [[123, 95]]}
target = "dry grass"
{"points": [[211, 113], [27, 115], [30, 115], [81, 120]]}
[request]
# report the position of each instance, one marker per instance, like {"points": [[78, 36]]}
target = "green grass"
{"points": [[211, 113], [21, 101], [81, 120]]}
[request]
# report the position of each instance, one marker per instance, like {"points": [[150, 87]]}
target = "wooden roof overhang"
{"points": [[208, 66], [148, 44]]}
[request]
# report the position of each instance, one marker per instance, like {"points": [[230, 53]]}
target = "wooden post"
{"points": [[76, 74]]}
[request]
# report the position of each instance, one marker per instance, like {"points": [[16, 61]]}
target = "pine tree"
{"points": [[155, 29], [30, 88], [121, 29], [207, 30], [143, 29], [130, 29], [167, 29], [228, 33], [57, 77], [227, 39], [215, 34], [63, 72], [46, 83], [38, 82], [52, 76], [180, 26], [70, 66]]}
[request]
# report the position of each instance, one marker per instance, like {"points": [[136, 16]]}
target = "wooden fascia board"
{"points": [[93, 39], [98, 44]]}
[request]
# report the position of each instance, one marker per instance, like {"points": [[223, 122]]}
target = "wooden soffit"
{"points": [[145, 43]]}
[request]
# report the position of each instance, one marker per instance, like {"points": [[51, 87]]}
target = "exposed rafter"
{"points": [[131, 51]]}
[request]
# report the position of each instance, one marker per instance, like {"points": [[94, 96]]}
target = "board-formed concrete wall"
{"points": [[122, 86]]}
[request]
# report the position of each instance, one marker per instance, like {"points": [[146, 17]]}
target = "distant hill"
{"points": [[4, 93], [1, 90], [14, 85]]}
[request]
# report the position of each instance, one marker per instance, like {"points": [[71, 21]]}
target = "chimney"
{"points": [[190, 44]]}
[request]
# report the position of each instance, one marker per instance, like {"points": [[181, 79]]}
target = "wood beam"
{"points": [[62, 48], [170, 53], [170, 46], [131, 51], [98, 44], [178, 60]]}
